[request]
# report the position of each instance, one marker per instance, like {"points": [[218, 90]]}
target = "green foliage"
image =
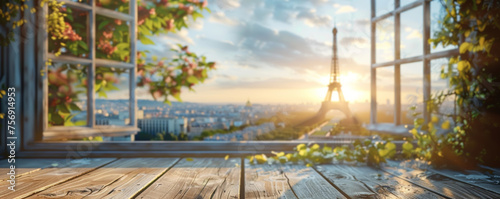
{"points": [[368, 151], [165, 77], [473, 26]]}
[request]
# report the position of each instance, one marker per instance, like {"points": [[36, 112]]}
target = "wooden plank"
{"points": [[29, 184], [286, 181], [123, 178], [441, 184], [26, 166], [266, 181], [489, 180], [366, 182], [199, 178]]}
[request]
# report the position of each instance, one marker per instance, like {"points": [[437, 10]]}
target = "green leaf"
{"points": [[192, 79], [102, 24], [146, 41], [83, 45], [63, 108], [74, 107], [189, 159]]}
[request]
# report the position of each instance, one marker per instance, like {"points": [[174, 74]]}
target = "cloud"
{"points": [[311, 19], [179, 37], [344, 8], [227, 4], [219, 45], [359, 42], [414, 34], [220, 17], [195, 24], [272, 83]]}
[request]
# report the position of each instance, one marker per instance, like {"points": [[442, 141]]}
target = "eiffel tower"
{"points": [[334, 86]]}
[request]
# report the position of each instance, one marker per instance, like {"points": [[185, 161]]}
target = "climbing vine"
{"points": [[473, 25]]}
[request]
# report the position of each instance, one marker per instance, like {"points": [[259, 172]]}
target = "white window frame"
{"points": [[425, 58], [50, 133]]}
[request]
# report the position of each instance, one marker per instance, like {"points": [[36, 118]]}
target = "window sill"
{"points": [[67, 133], [390, 128]]}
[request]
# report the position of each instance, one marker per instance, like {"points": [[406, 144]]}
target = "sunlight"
{"points": [[348, 80]]}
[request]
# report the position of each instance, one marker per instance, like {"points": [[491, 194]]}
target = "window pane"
{"points": [[112, 96], [116, 5], [438, 84], [406, 2], [411, 33], [383, 7], [74, 39], [385, 40], [385, 95], [67, 95], [412, 93], [112, 39], [437, 14]]}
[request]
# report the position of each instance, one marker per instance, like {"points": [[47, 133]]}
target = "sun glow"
{"points": [[347, 80]]}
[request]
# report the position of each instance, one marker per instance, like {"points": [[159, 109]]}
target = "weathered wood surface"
{"points": [[34, 182], [441, 184], [199, 178], [487, 179], [286, 181], [123, 178], [266, 181], [366, 182], [25, 166], [220, 178]]}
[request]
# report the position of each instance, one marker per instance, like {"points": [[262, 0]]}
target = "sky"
{"points": [[279, 51]]}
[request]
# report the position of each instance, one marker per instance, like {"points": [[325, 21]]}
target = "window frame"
{"points": [[91, 129], [425, 58], [34, 146]]}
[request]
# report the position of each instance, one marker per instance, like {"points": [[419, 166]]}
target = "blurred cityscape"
{"points": [[230, 122]]}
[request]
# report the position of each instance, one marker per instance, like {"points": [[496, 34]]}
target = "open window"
{"points": [[393, 32]]}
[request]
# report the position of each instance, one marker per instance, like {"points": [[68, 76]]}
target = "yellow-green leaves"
{"points": [[407, 149], [261, 159], [445, 125], [464, 47], [463, 66]]}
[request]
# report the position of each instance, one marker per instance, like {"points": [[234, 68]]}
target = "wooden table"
{"points": [[231, 178]]}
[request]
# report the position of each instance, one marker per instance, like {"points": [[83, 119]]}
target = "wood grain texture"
{"points": [[441, 184], [123, 178], [199, 178], [350, 179], [286, 181], [25, 166], [266, 181], [489, 179], [38, 181]]}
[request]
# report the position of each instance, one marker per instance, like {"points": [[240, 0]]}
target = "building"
{"points": [[160, 125]]}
